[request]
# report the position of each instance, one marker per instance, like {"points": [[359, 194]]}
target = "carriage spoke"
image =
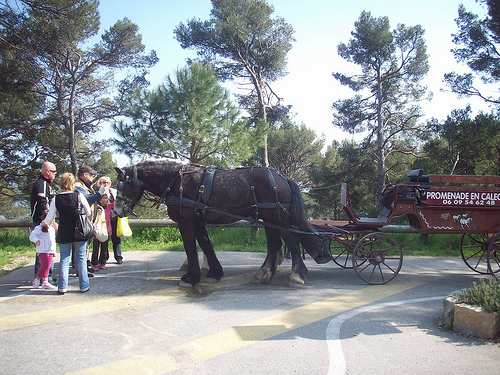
{"points": [[377, 258], [341, 249], [473, 248], [493, 255]]}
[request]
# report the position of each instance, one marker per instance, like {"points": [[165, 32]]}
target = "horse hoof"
{"points": [[184, 284], [323, 259], [263, 278], [296, 281], [211, 280]]}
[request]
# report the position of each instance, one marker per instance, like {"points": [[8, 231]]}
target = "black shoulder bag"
{"points": [[84, 229]]}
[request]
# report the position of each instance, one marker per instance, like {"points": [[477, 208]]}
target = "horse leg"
{"points": [[299, 269], [193, 275], [268, 268], [204, 265], [215, 271]]}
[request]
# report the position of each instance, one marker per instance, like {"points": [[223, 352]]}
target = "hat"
{"points": [[86, 169]]}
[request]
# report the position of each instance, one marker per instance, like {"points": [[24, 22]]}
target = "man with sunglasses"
{"points": [[41, 195]]}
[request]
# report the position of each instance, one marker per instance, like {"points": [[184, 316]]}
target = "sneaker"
{"points": [[85, 290], [36, 283], [46, 285], [119, 261], [96, 268], [103, 267]]}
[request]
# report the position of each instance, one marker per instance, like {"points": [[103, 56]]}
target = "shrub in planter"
{"points": [[483, 294], [476, 310]]}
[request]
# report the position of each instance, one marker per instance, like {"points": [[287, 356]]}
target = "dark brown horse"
{"points": [[197, 195]]}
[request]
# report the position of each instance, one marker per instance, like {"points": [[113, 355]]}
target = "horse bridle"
{"points": [[120, 186]]}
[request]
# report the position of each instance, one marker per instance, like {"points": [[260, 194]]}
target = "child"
{"points": [[99, 260], [45, 241]]}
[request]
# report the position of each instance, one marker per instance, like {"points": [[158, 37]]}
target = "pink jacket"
{"points": [[107, 214]]}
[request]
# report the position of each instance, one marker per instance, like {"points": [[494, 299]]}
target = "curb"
{"points": [[470, 320]]}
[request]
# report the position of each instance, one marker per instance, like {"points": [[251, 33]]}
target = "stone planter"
{"points": [[470, 320]]}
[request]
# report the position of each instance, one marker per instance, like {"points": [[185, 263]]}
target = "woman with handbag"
{"points": [[69, 203]]}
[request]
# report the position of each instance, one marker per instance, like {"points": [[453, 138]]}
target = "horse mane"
{"points": [[146, 161]]}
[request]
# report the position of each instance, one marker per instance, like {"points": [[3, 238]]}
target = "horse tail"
{"points": [[311, 241]]}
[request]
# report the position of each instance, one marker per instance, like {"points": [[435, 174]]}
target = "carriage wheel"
{"points": [[341, 248], [377, 258], [493, 255], [474, 247]]}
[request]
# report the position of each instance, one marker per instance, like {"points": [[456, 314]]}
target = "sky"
{"points": [[320, 25]]}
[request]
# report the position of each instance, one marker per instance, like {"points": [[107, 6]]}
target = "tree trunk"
{"points": [[380, 145]]}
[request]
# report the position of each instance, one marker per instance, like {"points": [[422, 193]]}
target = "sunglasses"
{"points": [[52, 170]]}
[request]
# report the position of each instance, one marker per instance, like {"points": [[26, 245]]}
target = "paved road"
{"points": [[136, 320]]}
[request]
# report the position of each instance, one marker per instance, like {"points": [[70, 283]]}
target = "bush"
{"points": [[484, 295]]}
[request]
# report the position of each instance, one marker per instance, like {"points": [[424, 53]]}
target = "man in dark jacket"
{"points": [[41, 195], [84, 185]]}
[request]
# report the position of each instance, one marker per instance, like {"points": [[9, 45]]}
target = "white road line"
{"points": [[337, 359]]}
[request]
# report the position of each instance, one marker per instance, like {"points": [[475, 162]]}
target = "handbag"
{"points": [[84, 229], [122, 228], [101, 228]]}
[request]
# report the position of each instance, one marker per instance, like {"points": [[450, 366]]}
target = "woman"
{"points": [[104, 208], [112, 218], [66, 204]]}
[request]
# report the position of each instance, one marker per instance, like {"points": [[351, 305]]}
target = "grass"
{"points": [[429, 244], [16, 250]]}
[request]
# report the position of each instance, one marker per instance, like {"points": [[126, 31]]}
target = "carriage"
{"points": [[197, 195], [467, 205]]}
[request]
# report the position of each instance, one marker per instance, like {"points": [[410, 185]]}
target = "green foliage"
{"points": [[483, 294], [169, 239], [293, 150], [237, 239], [56, 90], [190, 116], [348, 163], [463, 145], [243, 42], [393, 63], [240, 31], [428, 244], [15, 249], [477, 44]]}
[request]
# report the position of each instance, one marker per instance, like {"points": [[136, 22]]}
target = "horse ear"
{"points": [[121, 173]]}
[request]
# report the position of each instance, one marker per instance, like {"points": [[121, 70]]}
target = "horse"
{"points": [[196, 195]]}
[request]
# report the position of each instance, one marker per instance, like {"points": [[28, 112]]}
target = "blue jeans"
{"points": [[81, 261]]}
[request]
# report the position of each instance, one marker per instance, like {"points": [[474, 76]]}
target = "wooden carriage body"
{"points": [[450, 204]]}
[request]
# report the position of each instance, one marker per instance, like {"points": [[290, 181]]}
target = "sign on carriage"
{"points": [[463, 198]]}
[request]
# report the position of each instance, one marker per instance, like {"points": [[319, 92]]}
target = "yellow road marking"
{"points": [[235, 338], [98, 307]]}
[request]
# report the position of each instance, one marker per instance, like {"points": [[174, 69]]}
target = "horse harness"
{"points": [[205, 190]]}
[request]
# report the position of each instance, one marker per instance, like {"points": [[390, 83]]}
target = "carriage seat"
{"points": [[382, 218], [416, 175], [378, 222]]}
